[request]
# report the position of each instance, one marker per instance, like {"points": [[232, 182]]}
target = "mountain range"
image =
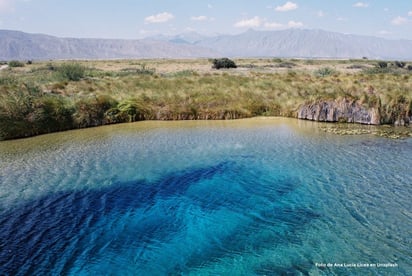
{"points": [[292, 43]]}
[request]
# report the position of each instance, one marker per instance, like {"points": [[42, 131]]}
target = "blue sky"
{"points": [[141, 18]]}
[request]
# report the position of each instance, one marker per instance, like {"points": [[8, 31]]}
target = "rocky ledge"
{"points": [[340, 110]]}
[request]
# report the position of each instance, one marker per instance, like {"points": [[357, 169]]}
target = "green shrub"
{"points": [[400, 64], [92, 111], [26, 111], [71, 71], [134, 109], [15, 63], [223, 63], [324, 72], [129, 110], [382, 64], [52, 113]]}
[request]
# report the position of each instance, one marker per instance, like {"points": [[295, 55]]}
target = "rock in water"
{"points": [[339, 110]]}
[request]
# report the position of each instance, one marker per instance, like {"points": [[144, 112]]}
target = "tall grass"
{"points": [[26, 111], [40, 100]]}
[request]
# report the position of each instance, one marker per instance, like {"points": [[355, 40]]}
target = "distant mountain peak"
{"points": [[23, 46], [301, 43], [307, 43]]}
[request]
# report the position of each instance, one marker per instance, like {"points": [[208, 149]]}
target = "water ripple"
{"points": [[218, 199]]}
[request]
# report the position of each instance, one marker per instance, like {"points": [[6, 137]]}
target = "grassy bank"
{"points": [[54, 96]]}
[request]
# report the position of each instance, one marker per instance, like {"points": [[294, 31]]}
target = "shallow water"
{"points": [[260, 196]]}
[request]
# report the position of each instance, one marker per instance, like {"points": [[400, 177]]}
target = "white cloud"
{"points": [[210, 6], [320, 14], [341, 19], [360, 5], [158, 18], [399, 20], [199, 18], [249, 23], [410, 13], [295, 24], [288, 6]]}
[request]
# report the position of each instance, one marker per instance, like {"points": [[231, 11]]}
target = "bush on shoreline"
{"points": [[27, 112]]}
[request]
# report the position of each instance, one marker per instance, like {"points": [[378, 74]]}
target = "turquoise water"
{"points": [[250, 197]]}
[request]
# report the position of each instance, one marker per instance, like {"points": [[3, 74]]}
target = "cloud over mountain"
{"points": [[159, 18], [249, 23]]}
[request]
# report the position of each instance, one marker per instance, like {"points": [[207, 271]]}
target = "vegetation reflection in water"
{"points": [[255, 196]]}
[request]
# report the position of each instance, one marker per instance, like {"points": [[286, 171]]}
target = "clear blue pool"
{"points": [[248, 197]]}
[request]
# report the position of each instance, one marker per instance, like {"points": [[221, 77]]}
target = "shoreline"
{"points": [[337, 128]]}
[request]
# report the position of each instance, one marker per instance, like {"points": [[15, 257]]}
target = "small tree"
{"points": [[223, 63]]}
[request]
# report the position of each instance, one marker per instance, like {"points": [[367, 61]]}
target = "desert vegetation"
{"points": [[223, 63], [15, 63], [45, 97]]}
